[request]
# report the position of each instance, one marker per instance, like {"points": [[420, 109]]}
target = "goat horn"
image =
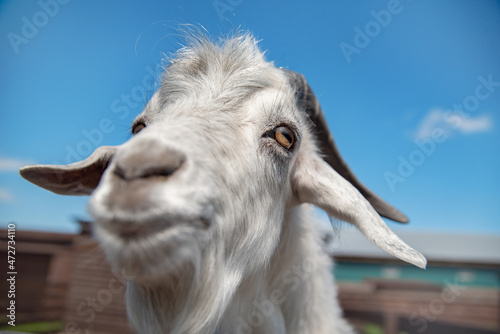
{"points": [[309, 103]]}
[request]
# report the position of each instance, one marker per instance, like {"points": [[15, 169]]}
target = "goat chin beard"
{"points": [[157, 258]]}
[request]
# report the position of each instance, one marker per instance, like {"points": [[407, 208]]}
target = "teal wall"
{"points": [[357, 272]]}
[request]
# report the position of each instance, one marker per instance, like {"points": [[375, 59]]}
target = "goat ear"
{"points": [[80, 178], [308, 102], [315, 182]]}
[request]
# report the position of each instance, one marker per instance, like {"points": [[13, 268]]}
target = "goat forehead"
{"points": [[224, 94], [203, 117], [230, 106], [221, 74]]}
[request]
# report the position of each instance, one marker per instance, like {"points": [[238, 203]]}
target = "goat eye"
{"points": [[284, 136], [138, 127]]}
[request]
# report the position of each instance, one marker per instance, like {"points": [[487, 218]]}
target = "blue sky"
{"points": [[388, 75]]}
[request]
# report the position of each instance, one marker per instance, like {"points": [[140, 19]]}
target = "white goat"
{"points": [[204, 207]]}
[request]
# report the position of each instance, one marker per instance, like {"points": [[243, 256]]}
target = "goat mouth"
{"points": [[130, 226], [128, 230], [144, 221], [153, 252]]}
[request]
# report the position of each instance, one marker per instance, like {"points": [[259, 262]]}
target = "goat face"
{"points": [[200, 175], [225, 147]]}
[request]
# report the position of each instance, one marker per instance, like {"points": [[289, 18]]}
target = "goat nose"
{"points": [[147, 158]]}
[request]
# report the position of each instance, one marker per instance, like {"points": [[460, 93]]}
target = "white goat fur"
{"points": [[225, 244]]}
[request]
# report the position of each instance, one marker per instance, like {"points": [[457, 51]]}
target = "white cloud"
{"points": [[5, 195], [449, 122], [12, 164], [433, 120], [478, 124]]}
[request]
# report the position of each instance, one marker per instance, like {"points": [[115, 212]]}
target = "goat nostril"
{"points": [[120, 172], [144, 170], [159, 171], [165, 167], [146, 159]]}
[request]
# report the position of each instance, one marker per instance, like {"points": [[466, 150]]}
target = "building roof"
{"points": [[437, 247]]}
